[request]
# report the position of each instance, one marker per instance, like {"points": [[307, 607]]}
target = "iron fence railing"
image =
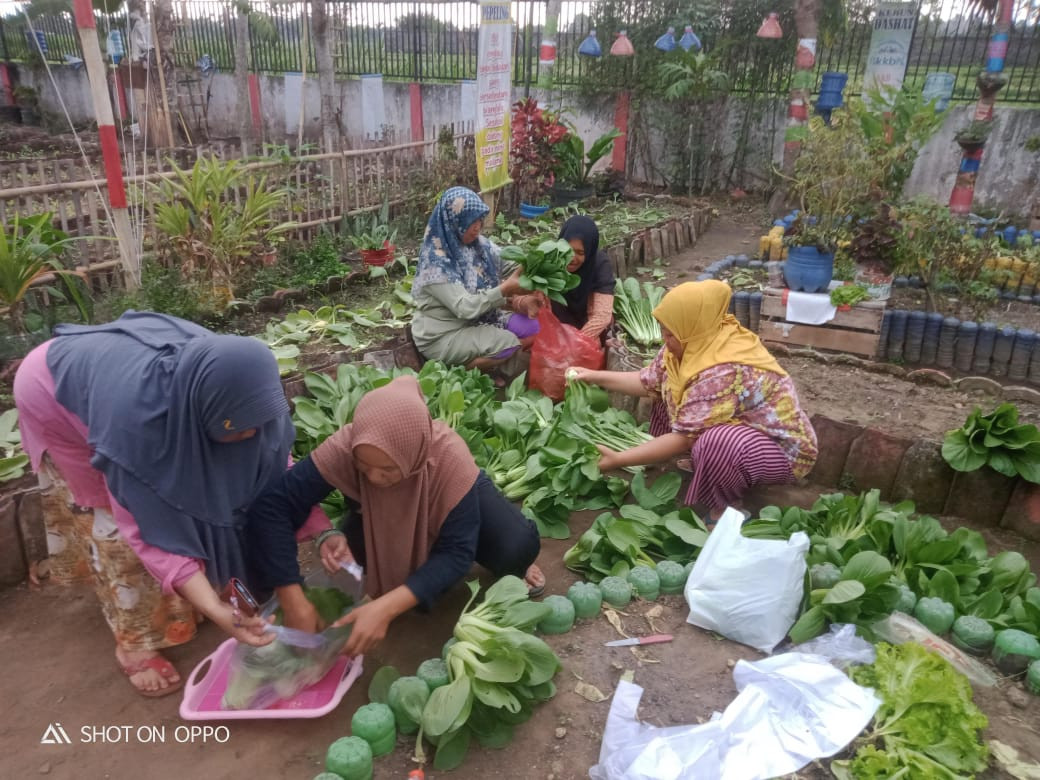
{"points": [[437, 41]]}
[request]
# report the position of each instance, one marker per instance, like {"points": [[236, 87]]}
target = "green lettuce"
{"points": [[927, 725]]}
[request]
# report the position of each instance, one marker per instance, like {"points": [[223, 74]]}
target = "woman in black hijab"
{"points": [[590, 305]]}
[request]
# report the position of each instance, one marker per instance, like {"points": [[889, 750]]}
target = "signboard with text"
{"points": [[890, 46], [494, 93]]}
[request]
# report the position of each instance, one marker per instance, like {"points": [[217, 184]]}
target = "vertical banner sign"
{"points": [[890, 46], [494, 93]]}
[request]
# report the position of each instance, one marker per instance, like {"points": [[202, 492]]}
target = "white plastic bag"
{"points": [[748, 590], [792, 709], [840, 646]]}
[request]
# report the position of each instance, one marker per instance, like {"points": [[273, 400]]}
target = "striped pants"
{"points": [[727, 460]]}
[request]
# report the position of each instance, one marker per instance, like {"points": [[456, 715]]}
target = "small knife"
{"points": [[640, 640]]}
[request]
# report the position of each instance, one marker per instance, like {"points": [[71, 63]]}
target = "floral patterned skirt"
{"points": [[84, 545]]}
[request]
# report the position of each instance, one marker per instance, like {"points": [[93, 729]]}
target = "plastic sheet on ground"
{"points": [[791, 709]]}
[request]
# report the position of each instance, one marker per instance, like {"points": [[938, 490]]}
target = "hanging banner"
{"points": [[494, 93], [890, 46]]}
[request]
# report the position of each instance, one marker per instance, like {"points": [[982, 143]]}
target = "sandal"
{"points": [[158, 664], [534, 591]]}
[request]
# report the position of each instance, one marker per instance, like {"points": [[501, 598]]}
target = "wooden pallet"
{"points": [[857, 330]]}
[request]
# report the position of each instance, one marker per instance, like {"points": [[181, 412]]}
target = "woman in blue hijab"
{"points": [[163, 434], [470, 308]]}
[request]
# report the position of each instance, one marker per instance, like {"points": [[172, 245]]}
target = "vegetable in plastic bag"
{"points": [[433, 672], [616, 591], [560, 619], [374, 723], [1014, 650], [824, 575], [586, 598], [646, 582], [407, 697], [935, 614], [672, 577], [973, 634], [350, 758]]}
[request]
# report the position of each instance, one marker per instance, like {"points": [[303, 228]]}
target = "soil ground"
{"points": [[58, 665]]}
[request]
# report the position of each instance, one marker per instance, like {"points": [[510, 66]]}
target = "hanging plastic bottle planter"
{"points": [[690, 40], [831, 87], [667, 41], [622, 47], [590, 46], [770, 27]]}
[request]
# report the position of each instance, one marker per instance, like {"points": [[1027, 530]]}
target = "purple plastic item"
{"points": [[207, 682]]}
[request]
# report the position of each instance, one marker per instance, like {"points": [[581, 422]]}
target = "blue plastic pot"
{"points": [[831, 86], [808, 270], [527, 211]]}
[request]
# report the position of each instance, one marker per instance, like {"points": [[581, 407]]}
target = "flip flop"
{"points": [[163, 667], [534, 591]]}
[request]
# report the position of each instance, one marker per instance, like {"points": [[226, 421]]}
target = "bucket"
{"points": [[939, 87], [878, 286], [808, 270]]}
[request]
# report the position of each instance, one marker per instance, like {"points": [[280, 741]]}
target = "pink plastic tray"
{"points": [[208, 681]]}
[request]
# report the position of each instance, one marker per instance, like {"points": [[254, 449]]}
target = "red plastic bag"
{"points": [[556, 348]]}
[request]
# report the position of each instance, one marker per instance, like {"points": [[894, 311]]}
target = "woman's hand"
{"points": [[302, 616], [581, 374], [608, 458], [247, 630], [529, 305], [511, 286], [334, 551], [370, 623]]}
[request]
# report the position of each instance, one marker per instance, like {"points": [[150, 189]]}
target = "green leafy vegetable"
{"points": [[407, 697], [379, 688], [545, 267], [995, 440], [634, 308], [1033, 678], [848, 295], [927, 725]]}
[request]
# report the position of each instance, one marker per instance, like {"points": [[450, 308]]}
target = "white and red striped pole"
{"points": [[87, 29]]}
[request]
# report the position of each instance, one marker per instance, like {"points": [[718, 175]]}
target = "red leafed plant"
{"points": [[531, 158]]}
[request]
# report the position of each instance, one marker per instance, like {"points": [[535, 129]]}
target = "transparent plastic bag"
{"points": [[899, 628], [261, 676], [840, 646]]}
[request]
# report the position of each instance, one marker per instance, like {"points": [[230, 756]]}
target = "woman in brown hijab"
{"points": [[422, 513]]}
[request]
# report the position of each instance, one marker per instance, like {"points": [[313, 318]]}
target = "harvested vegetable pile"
{"points": [[493, 673], [868, 559]]}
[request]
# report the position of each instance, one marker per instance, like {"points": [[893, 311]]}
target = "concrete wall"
{"points": [[1009, 178]]}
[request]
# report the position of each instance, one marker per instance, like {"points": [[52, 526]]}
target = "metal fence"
{"points": [[437, 41]]}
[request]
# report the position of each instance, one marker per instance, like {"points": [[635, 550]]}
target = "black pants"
{"points": [[507, 543]]}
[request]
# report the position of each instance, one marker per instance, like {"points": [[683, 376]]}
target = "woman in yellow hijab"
{"points": [[722, 398]]}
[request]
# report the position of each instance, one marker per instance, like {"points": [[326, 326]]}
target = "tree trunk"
{"points": [[242, 63], [806, 19], [330, 130]]}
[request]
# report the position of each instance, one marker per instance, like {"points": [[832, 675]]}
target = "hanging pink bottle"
{"points": [[770, 27]]}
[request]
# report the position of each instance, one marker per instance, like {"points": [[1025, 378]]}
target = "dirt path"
{"points": [[58, 664]]}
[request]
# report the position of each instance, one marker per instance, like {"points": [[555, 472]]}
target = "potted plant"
{"points": [[532, 157], [835, 183], [30, 250], [973, 137], [28, 104], [373, 237], [574, 165], [874, 247]]}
